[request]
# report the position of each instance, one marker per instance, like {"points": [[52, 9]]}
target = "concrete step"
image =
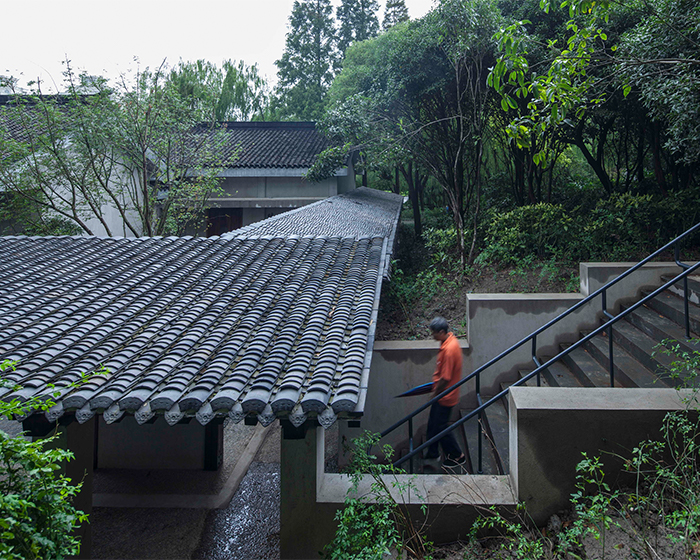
{"points": [[533, 381], [672, 307], [471, 434], [558, 375], [587, 369], [659, 327], [693, 287], [628, 371], [497, 429], [643, 348]]}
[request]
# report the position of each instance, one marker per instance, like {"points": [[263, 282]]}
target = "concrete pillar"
{"points": [[306, 527], [80, 439]]}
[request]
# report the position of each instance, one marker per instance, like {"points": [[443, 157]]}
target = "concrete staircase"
{"points": [[638, 362]]}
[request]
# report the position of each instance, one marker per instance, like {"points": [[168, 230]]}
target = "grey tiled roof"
{"points": [[270, 144], [263, 326], [360, 213]]}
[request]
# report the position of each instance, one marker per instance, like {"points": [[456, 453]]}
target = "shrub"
{"points": [[371, 526], [37, 517], [545, 230]]}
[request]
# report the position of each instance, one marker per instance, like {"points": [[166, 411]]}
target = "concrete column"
{"points": [[306, 527], [80, 439]]}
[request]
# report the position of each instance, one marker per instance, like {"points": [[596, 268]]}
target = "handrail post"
{"points": [[534, 359], [604, 295], [480, 469], [686, 307], [611, 365], [410, 443], [610, 356]]}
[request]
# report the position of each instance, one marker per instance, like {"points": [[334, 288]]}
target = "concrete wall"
{"points": [[305, 525], [551, 427], [113, 218], [128, 445], [347, 182], [494, 323], [252, 215], [596, 275]]}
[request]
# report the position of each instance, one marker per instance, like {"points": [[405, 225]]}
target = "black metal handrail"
{"points": [[602, 291]]}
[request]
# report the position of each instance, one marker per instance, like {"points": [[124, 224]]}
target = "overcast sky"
{"points": [[103, 36]]}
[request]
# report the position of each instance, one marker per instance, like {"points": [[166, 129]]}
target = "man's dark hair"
{"points": [[439, 324]]}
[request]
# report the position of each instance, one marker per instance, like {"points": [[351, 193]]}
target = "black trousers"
{"points": [[438, 421]]}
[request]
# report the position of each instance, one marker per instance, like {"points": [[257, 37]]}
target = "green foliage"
{"points": [[664, 502], [309, 61], [129, 147], [327, 163], [357, 21], [395, 11], [621, 227], [517, 541], [234, 92], [443, 245], [660, 58], [436, 218], [371, 525], [545, 230], [37, 518], [627, 225]]}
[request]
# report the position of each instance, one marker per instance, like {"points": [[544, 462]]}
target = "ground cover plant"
{"points": [[37, 516], [374, 524]]}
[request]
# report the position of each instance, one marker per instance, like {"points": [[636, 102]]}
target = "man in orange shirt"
{"points": [[447, 373]]}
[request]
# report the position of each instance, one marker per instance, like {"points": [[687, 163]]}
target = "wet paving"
{"points": [[248, 529]]}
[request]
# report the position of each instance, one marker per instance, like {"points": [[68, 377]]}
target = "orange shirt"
{"points": [[449, 367]]}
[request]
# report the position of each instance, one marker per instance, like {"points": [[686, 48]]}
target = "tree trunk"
{"points": [[413, 185]]}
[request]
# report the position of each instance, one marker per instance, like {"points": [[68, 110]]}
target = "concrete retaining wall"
{"points": [[550, 428], [494, 323], [310, 498]]}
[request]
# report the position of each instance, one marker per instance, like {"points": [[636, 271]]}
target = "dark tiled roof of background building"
{"points": [[263, 326], [288, 145]]}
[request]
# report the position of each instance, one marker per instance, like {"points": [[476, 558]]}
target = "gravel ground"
{"points": [[248, 529], [248, 526]]}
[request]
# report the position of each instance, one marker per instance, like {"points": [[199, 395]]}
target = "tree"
{"points": [[37, 518], [309, 61], [657, 55], [395, 12], [357, 20], [234, 92], [133, 148], [423, 87], [660, 58]]}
